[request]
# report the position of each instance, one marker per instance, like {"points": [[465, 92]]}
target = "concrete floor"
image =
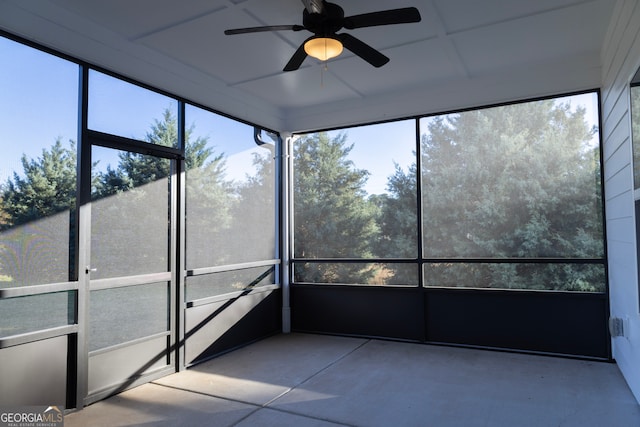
{"points": [[313, 380]]}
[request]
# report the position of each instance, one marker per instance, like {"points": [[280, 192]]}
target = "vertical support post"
{"points": [[419, 210], [179, 227], [83, 215], [285, 161]]}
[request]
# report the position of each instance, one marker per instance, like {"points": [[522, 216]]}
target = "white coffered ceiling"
{"points": [[463, 53]]}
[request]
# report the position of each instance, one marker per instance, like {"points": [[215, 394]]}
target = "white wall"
{"points": [[620, 60]]}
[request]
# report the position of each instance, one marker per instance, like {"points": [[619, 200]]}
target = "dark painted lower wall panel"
{"points": [[571, 324], [394, 313], [216, 328], [559, 323]]}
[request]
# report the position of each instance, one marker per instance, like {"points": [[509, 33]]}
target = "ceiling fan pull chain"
{"points": [[324, 67]]}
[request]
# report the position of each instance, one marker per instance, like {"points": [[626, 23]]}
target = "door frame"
{"points": [[87, 140]]}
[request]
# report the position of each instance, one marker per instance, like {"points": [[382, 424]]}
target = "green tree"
{"points": [[140, 182], [131, 190], [511, 182], [332, 216], [46, 187], [397, 222], [38, 217], [521, 181], [210, 201], [135, 169], [254, 214]]}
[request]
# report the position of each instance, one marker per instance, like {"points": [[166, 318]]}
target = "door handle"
{"points": [[91, 270]]}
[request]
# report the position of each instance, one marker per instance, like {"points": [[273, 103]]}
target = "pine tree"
{"points": [[255, 212], [38, 216], [397, 221], [332, 217], [139, 188], [520, 181], [135, 170], [210, 201], [46, 187]]}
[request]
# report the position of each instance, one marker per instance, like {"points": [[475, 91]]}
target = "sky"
{"points": [[38, 104], [35, 114], [32, 116], [377, 148]]}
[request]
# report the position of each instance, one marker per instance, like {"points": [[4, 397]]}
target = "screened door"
{"points": [[131, 282]]}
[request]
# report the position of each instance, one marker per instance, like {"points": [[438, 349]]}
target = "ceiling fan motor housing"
{"points": [[324, 24]]}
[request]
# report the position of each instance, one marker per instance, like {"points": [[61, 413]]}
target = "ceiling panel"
{"points": [[570, 31], [273, 12], [132, 18], [415, 64], [464, 15], [298, 89], [460, 47], [202, 44]]}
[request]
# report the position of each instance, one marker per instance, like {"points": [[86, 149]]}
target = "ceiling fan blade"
{"points": [[363, 50], [298, 58], [265, 28], [386, 17], [314, 6]]}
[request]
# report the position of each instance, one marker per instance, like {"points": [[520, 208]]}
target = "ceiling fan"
{"points": [[324, 20]]}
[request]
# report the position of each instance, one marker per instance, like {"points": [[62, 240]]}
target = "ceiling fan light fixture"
{"points": [[323, 48], [324, 20]]}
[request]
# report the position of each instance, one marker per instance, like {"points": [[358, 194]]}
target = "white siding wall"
{"points": [[620, 60]]}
